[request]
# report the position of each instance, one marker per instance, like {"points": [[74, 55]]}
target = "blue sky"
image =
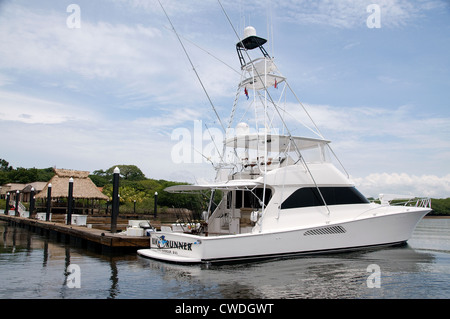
{"points": [[113, 90]]}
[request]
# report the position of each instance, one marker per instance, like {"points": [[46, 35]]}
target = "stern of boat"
{"points": [[175, 247]]}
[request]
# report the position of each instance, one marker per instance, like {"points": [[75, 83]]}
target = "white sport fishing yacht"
{"points": [[280, 194]]}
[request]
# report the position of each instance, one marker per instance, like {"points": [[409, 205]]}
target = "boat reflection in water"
{"points": [[37, 266], [346, 275]]}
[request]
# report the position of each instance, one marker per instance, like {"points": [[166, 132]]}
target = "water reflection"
{"points": [[114, 290], [322, 276], [45, 249], [36, 266]]}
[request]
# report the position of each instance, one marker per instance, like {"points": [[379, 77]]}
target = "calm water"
{"points": [[35, 266]]}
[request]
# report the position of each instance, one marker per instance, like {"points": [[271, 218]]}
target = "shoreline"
{"points": [[437, 216]]}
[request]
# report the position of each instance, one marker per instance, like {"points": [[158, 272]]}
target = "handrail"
{"points": [[21, 208], [424, 202]]}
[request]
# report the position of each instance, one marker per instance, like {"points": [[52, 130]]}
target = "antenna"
{"points": [[269, 12]]}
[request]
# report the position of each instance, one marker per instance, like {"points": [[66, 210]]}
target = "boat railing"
{"points": [[422, 202], [261, 65], [404, 200]]}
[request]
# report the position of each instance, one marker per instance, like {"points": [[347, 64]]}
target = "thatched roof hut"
{"points": [[26, 191], [10, 188], [83, 187]]}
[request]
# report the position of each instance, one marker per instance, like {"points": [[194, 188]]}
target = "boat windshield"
{"points": [[259, 152]]}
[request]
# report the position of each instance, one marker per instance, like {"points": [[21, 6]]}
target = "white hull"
{"points": [[373, 231]]}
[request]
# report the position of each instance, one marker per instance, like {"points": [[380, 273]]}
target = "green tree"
{"points": [[4, 169], [23, 175], [45, 174], [127, 172], [440, 206], [3, 178], [4, 166], [127, 194], [100, 178]]}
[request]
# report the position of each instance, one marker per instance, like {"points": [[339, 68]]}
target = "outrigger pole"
{"points": [[193, 67]]}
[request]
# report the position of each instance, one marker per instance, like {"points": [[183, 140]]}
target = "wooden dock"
{"points": [[96, 235]]}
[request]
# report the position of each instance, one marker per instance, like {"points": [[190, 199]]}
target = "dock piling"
{"points": [[70, 202], [115, 200], [32, 200], [16, 208], [49, 202], [7, 203], [156, 204]]}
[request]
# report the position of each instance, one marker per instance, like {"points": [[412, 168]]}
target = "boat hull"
{"points": [[372, 231]]}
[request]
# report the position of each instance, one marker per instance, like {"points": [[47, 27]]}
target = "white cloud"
{"points": [[170, 118], [353, 13], [42, 42], [134, 61], [404, 184], [31, 110], [403, 124]]}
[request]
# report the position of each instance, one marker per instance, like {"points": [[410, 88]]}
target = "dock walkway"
{"points": [[97, 236]]}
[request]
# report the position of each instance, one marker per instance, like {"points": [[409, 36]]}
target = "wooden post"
{"points": [[49, 202], [32, 200], [17, 203], [70, 202], [8, 195], [115, 200], [156, 204]]}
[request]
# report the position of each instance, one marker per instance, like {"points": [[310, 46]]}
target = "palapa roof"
{"points": [[38, 186], [83, 186], [11, 187]]}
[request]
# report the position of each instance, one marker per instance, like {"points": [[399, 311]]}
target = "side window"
{"points": [[344, 196], [309, 196], [303, 197], [248, 199]]}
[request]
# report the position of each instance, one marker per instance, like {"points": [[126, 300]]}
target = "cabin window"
{"points": [[309, 196], [249, 199]]}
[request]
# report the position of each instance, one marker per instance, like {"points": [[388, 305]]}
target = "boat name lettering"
{"points": [[163, 243]]}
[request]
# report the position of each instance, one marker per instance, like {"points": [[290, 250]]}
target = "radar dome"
{"points": [[249, 31], [242, 129]]}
